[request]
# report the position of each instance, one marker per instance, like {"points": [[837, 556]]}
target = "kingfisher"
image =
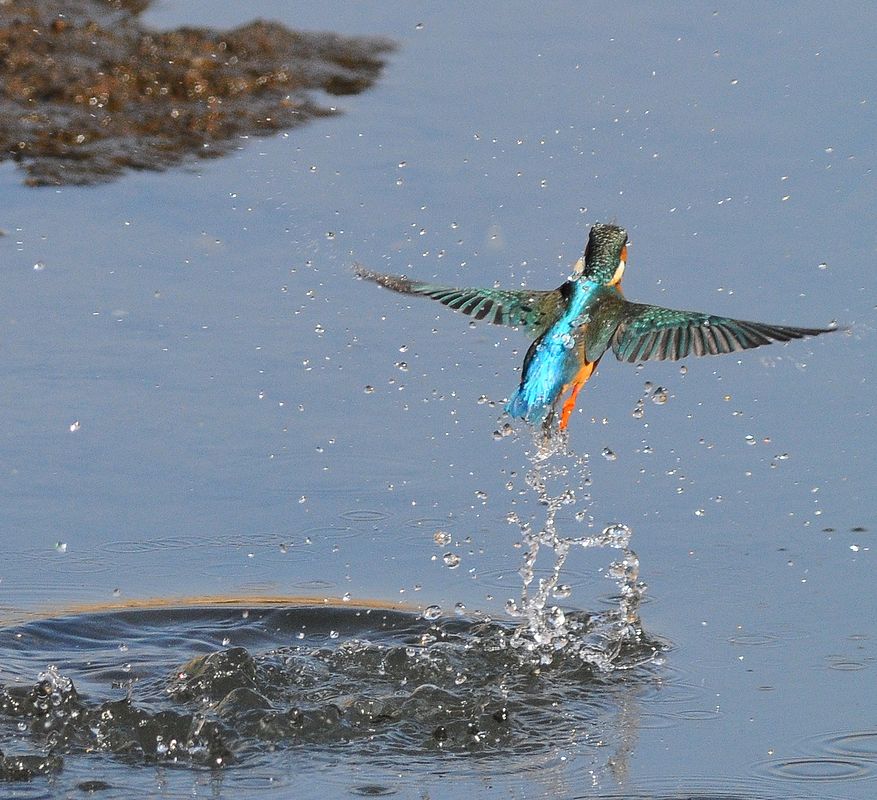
{"points": [[575, 324]]}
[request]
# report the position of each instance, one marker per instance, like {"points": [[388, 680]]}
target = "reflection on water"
{"points": [[87, 92]]}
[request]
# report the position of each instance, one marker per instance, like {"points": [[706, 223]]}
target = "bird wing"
{"points": [[533, 310], [653, 333]]}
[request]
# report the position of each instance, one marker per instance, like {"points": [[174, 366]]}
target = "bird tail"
{"points": [[521, 406]]}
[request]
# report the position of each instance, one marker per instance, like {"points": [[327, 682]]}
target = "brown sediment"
{"points": [[17, 616], [87, 92]]}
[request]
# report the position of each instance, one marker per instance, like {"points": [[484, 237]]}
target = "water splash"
{"points": [[597, 639], [391, 688]]}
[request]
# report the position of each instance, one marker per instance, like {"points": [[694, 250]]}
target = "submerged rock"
{"points": [[87, 92]]}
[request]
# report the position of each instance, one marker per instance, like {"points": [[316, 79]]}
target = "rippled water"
{"points": [[255, 689], [239, 697], [390, 687]]}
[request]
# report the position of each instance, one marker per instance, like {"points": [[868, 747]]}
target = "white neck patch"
{"points": [[619, 271]]}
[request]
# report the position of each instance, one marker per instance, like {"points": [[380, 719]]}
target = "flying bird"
{"points": [[575, 324]]}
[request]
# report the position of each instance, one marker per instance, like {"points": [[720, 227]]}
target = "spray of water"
{"points": [[560, 478]]}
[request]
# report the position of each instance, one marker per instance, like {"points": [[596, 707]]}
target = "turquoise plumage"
{"points": [[575, 324]]}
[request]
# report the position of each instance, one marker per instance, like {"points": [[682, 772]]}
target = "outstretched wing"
{"points": [[533, 310], [653, 333]]}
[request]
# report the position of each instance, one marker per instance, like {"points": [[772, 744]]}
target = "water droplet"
{"points": [[616, 535], [823, 265], [749, 439], [75, 426], [402, 366], [638, 409], [608, 454], [39, 266], [441, 538], [369, 389], [432, 613], [556, 618], [562, 591], [700, 512], [303, 499], [345, 597], [481, 495], [452, 560], [659, 396], [418, 26], [505, 430], [61, 547]]}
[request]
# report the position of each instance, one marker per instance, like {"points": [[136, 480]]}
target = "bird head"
{"points": [[605, 254]]}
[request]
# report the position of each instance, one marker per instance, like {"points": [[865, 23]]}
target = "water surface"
{"points": [[186, 360]]}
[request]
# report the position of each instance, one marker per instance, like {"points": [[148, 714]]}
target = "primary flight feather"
{"points": [[575, 324]]}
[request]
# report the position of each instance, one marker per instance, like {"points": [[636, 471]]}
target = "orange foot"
{"points": [[581, 378]]}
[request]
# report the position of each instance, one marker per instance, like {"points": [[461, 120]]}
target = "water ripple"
{"points": [[861, 744], [364, 515], [815, 768], [238, 686]]}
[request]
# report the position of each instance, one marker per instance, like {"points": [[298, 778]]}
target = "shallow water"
{"points": [[198, 399]]}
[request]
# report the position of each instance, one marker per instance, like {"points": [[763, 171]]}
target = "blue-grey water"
{"points": [[198, 399]]}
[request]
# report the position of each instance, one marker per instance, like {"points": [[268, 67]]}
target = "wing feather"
{"points": [[533, 310], [655, 333]]}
